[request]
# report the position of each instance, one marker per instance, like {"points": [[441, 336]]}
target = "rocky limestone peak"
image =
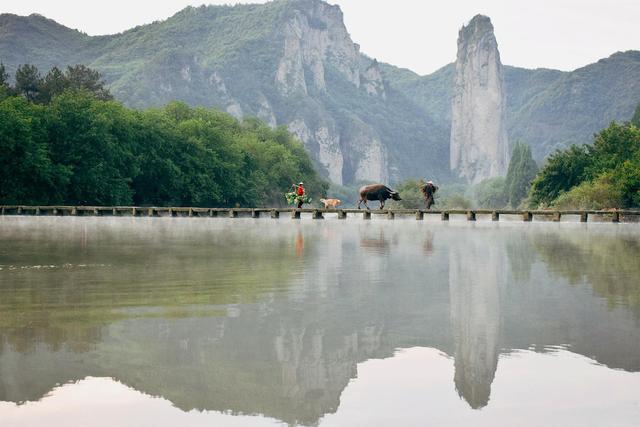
{"points": [[479, 145], [372, 81], [315, 37]]}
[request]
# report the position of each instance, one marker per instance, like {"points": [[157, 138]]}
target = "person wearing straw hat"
{"points": [[428, 191]]}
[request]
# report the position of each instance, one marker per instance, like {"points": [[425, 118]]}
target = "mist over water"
{"points": [[165, 321]]}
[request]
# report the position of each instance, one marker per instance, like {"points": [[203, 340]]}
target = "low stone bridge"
{"points": [[419, 214]]}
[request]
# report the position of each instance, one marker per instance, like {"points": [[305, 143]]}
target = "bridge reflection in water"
{"points": [[249, 320]]}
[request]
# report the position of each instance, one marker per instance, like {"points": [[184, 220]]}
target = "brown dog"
{"points": [[330, 203]]}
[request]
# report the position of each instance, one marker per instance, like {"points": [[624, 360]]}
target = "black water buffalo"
{"points": [[377, 192]]}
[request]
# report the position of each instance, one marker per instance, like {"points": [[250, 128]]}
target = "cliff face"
{"points": [[479, 146], [316, 43], [315, 35]]}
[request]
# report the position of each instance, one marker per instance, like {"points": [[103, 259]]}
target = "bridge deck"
{"points": [[471, 214]]}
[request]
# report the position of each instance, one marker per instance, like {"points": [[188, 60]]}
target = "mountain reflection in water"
{"points": [[272, 318]]}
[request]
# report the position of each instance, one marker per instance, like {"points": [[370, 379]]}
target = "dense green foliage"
{"points": [[4, 76], [522, 170], [635, 120], [605, 174], [78, 149], [454, 200], [492, 193], [35, 88], [562, 171]]}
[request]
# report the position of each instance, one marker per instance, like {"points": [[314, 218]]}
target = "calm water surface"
{"points": [[161, 321]]}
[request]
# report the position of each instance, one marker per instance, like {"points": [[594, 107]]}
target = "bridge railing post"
{"points": [[444, 216], [366, 214], [295, 214], [275, 214], [419, 215], [527, 216], [471, 216], [495, 216], [584, 216]]}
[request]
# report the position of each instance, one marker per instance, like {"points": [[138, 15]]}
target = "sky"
{"points": [[416, 34]]}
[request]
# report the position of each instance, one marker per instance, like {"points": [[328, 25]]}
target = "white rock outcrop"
{"points": [[371, 165], [479, 144], [315, 42], [314, 37], [323, 143]]}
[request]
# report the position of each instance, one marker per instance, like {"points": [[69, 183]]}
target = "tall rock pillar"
{"points": [[479, 145]]}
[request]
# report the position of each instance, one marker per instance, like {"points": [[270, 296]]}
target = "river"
{"points": [[243, 322]]}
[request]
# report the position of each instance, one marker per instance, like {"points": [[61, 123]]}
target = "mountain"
{"points": [[286, 62], [547, 109], [571, 107], [293, 63], [479, 145]]}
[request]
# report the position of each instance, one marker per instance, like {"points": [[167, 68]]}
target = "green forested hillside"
{"points": [[432, 92], [578, 104], [39, 41]]}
